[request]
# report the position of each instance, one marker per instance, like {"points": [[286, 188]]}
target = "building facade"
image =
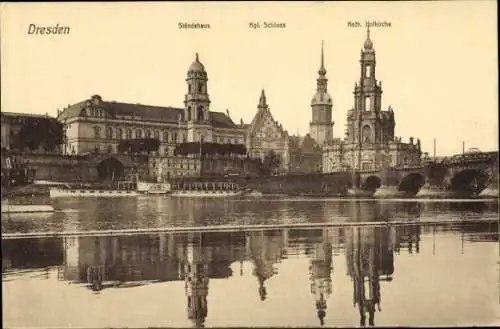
{"points": [[98, 125], [305, 155], [369, 141], [266, 135]]}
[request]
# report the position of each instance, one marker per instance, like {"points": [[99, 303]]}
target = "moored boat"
{"points": [[153, 188], [30, 208], [118, 189], [207, 189]]}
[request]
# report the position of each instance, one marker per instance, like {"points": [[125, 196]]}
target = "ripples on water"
{"points": [[406, 275], [73, 214]]}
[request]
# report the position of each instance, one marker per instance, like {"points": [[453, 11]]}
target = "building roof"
{"points": [[197, 66], [304, 144], [144, 112], [263, 114]]}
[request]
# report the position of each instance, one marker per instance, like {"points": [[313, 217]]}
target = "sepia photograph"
{"points": [[249, 164]]}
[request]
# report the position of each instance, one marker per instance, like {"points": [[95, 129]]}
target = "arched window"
{"points": [[129, 133], [189, 88], [109, 133], [148, 133], [174, 138], [367, 131], [156, 134], [97, 132], [119, 133], [189, 114], [200, 113], [368, 105], [200, 88], [138, 133], [165, 136]]}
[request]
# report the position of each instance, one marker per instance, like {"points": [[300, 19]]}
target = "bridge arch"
{"points": [[469, 182], [412, 183], [371, 183], [110, 169]]}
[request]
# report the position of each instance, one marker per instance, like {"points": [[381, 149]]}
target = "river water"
{"points": [[118, 262]]}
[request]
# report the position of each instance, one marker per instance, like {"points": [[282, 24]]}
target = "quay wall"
{"points": [[327, 184], [59, 168]]}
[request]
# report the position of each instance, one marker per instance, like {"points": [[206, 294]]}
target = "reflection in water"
{"points": [[103, 263], [369, 252], [321, 270], [266, 248], [196, 281]]}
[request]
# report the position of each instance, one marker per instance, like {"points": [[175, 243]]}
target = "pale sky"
{"points": [[437, 62]]}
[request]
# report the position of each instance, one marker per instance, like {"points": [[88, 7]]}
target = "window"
{"points": [[97, 132], [119, 133], [174, 137], [189, 88], [157, 134], [129, 133], [200, 88], [148, 133], [200, 113], [368, 104], [165, 136], [109, 133], [366, 134], [367, 71], [138, 133]]}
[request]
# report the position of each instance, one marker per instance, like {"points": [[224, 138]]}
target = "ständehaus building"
{"points": [[369, 142], [96, 125]]}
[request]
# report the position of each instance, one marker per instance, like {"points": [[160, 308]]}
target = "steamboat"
{"points": [[208, 189], [116, 189]]}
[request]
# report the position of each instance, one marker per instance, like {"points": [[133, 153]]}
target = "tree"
{"points": [[36, 132]]}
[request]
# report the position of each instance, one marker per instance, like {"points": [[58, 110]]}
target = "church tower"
{"points": [[321, 125], [368, 126], [365, 118], [197, 103]]}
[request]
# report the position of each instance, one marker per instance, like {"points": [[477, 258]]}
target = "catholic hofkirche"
{"points": [[369, 141]]}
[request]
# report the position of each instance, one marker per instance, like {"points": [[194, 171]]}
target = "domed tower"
{"points": [[196, 101], [368, 94], [321, 126]]}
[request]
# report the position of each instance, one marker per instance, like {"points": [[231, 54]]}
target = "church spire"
{"points": [[368, 42], [322, 80], [322, 70], [262, 100]]}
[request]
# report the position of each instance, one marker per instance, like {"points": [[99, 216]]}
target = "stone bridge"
{"points": [[458, 176]]}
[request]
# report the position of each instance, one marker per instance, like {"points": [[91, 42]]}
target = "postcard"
{"points": [[249, 164]]}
